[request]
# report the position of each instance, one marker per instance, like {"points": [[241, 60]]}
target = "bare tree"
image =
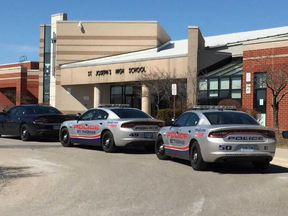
{"points": [[276, 80], [159, 83]]}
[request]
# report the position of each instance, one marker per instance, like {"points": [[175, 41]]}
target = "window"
{"points": [[88, 115], [260, 80], [182, 120], [213, 84], [192, 120], [217, 118], [236, 82], [212, 90], [13, 110], [101, 114], [44, 110], [21, 111], [225, 83], [202, 84], [130, 113], [236, 94]]}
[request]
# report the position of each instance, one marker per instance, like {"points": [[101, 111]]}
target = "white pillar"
{"points": [[146, 100], [53, 60], [97, 93]]}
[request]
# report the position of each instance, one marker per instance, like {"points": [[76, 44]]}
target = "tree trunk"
{"points": [[275, 113]]}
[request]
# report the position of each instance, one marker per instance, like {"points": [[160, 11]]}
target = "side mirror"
{"points": [[285, 134], [78, 115]]}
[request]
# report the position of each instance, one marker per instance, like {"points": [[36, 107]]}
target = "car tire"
{"points": [[150, 148], [65, 138], [160, 150], [24, 133], [196, 159], [261, 165], [107, 142]]}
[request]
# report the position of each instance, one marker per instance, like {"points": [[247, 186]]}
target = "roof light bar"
{"points": [[113, 105], [208, 107]]}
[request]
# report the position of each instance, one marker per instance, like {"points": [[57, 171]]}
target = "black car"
{"points": [[27, 121]]}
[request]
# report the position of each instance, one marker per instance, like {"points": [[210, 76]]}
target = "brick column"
{"points": [[21, 86]]}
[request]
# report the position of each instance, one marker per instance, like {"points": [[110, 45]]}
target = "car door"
{"points": [[177, 140], [86, 129], [8, 124], [17, 119], [189, 131]]}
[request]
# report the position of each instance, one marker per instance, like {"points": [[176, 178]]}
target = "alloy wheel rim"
{"points": [[24, 132], [65, 137], [195, 156], [161, 149], [107, 142]]}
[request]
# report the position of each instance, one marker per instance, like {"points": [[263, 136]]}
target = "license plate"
{"points": [[56, 127], [148, 135], [247, 149]]}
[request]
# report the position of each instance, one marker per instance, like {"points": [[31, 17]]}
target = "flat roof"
{"points": [[179, 48]]}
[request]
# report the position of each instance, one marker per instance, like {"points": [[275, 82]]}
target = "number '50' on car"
{"points": [[207, 136]]}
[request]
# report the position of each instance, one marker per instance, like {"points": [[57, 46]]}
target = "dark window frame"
{"points": [[208, 98]]}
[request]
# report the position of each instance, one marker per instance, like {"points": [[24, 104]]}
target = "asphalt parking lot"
{"points": [[43, 178]]}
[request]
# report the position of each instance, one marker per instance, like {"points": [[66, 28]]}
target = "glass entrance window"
{"points": [[126, 94]]}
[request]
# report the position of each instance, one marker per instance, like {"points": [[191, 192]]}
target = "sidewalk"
{"points": [[281, 157]]}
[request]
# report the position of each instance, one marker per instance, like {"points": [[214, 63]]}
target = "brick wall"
{"points": [[258, 60], [19, 85]]}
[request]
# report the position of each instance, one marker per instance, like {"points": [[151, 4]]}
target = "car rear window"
{"points": [[44, 110], [220, 118], [130, 113]]}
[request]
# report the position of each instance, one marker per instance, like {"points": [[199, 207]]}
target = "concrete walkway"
{"points": [[281, 157]]}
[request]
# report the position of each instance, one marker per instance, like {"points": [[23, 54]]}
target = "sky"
{"points": [[20, 19]]}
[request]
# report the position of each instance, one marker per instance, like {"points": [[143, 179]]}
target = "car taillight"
{"points": [[39, 119], [218, 134], [269, 134], [128, 125]]}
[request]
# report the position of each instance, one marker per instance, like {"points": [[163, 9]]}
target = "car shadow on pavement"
{"points": [[34, 139], [11, 173], [120, 150], [236, 168]]}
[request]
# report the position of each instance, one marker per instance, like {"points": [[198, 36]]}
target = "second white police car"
{"points": [[218, 135]]}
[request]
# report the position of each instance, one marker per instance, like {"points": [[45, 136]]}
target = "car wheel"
{"points": [[261, 165], [65, 138], [24, 133], [196, 159], [160, 150], [150, 148], [107, 141]]}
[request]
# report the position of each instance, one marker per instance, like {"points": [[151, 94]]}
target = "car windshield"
{"points": [[220, 118], [44, 110], [130, 113]]}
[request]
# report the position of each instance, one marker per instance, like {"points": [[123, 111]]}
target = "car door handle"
{"points": [[189, 131], [19, 118], [100, 123]]}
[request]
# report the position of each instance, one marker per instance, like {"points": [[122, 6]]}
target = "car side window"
{"points": [[181, 121], [101, 114], [88, 115], [21, 111], [192, 120], [12, 111]]}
